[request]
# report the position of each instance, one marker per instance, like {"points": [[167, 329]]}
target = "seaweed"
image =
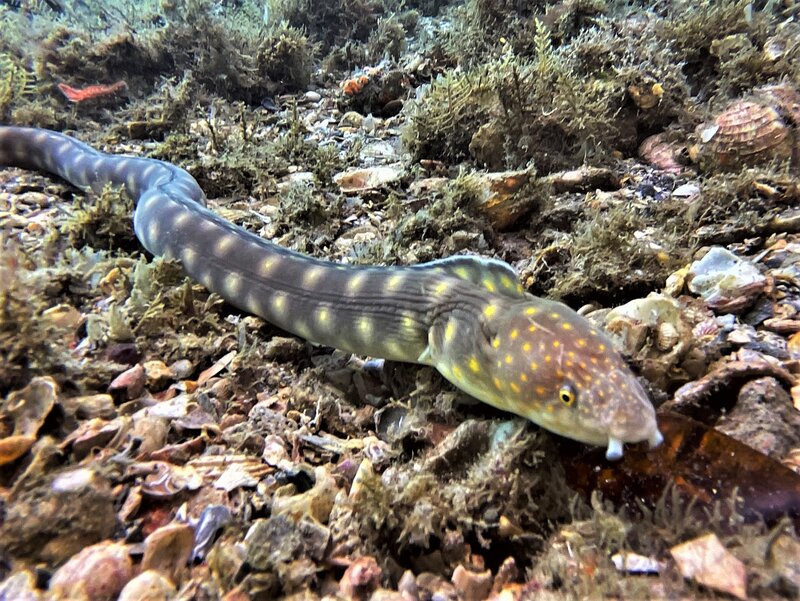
{"points": [[102, 221], [388, 40], [331, 23], [15, 83], [559, 107], [722, 45], [285, 57], [608, 257]]}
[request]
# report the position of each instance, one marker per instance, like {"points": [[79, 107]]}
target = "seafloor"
{"points": [[636, 160]]}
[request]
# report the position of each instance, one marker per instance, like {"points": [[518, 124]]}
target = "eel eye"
{"points": [[567, 395]]}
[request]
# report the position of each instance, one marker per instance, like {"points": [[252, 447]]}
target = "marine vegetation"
{"points": [[15, 83]]}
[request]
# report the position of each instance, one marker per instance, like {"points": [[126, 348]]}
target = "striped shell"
{"points": [[746, 133], [785, 98], [658, 151]]}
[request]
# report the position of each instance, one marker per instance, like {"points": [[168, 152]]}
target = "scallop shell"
{"points": [[746, 133], [661, 153], [785, 98]]}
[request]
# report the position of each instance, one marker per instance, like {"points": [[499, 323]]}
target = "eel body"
{"points": [[466, 316]]}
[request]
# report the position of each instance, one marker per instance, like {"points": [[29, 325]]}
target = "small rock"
{"points": [[361, 578], [148, 586], [784, 556], [91, 406], [129, 384], [499, 201], [151, 431], [98, 572], [280, 539], [380, 149], [20, 587], [686, 191], [182, 369], [351, 120], [312, 96], [274, 452], [293, 179], [63, 316], [315, 503], [91, 434], [77, 479], [167, 550], [158, 375], [472, 586]]}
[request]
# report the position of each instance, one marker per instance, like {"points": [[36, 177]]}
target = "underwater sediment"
{"points": [[634, 160]]}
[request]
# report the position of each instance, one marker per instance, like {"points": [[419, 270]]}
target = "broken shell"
{"points": [[746, 133], [726, 282], [30, 406], [667, 336], [661, 153], [365, 180], [708, 562], [14, 447]]}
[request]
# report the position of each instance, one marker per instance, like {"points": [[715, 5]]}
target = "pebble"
{"points": [[96, 572], [181, 369], [686, 191], [148, 586], [361, 578], [91, 406], [312, 96], [158, 375], [472, 586], [351, 120], [167, 550], [129, 383]]}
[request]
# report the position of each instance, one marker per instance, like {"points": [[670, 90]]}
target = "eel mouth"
{"points": [[616, 447]]}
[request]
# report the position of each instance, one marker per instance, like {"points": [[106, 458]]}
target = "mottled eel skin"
{"points": [[466, 316]]}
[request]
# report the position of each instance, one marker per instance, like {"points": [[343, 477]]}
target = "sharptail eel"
{"points": [[466, 316]]}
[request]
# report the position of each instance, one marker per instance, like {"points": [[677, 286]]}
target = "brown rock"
{"points": [[98, 573]]}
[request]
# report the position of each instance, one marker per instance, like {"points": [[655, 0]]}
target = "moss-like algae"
{"points": [[15, 83], [557, 108]]}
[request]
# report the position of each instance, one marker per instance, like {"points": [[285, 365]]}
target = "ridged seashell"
{"points": [[785, 98], [746, 133], [667, 336], [660, 152]]}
